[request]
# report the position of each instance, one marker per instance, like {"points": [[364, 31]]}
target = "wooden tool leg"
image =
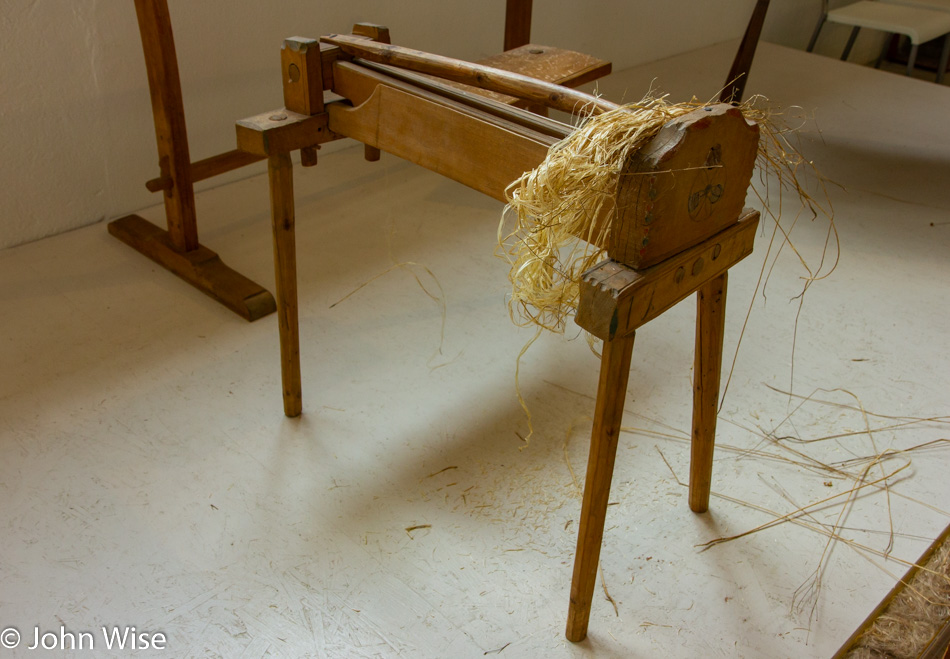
{"points": [[611, 390], [281, 176], [710, 322]]}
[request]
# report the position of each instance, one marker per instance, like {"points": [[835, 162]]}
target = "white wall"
{"points": [[77, 136]]}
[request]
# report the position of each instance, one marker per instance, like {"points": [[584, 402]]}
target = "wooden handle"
{"points": [[476, 75]]}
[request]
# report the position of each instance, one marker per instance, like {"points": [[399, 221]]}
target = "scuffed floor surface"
{"points": [[149, 478]]}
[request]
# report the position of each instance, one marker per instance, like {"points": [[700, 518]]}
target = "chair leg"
{"points": [[281, 177], [611, 391], [944, 58], [848, 46], [710, 323], [814, 35], [884, 50], [912, 59]]}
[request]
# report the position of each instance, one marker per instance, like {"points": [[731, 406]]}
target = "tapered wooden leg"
{"points": [[281, 176], [710, 322], [608, 414]]}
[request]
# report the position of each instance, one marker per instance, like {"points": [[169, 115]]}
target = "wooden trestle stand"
{"points": [[681, 225]]}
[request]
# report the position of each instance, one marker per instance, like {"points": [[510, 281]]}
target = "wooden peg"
{"points": [[308, 156], [379, 34]]}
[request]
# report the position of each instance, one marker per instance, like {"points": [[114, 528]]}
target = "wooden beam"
{"points": [[281, 131], [208, 168], [200, 267], [616, 299], [161, 65]]}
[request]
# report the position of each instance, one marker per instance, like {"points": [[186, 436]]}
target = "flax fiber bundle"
{"points": [[555, 238]]}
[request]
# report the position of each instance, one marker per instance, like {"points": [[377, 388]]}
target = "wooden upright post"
{"points": [[517, 23], [608, 414], [178, 249], [161, 64], [739, 73]]}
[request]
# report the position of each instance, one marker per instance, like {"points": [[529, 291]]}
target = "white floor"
{"points": [[149, 477]]}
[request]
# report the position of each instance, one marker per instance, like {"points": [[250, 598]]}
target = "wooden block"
{"points": [[372, 31], [281, 131], [688, 184], [616, 299], [301, 65], [200, 267]]}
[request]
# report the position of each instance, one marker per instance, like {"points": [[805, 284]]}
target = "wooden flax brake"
{"points": [[177, 248], [681, 228]]}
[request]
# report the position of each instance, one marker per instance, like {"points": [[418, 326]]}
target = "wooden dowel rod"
{"points": [[203, 169], [476, 75]]}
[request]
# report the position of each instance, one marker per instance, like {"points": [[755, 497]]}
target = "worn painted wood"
{"points": [[608, 415], [281, 178], [686, 185], [707, 364], [476, 75], [616, 299]]}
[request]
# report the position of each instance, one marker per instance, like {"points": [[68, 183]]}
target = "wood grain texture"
{"points": [[361, 78], [555, 65], [707, 364], [209, 167], [483, 152], [279, 131], [517, 23], [200, 267], [608, 415], [164, 84], [616, 299], [687, 184], [302, 75], [281, 178], [476, 75]]}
